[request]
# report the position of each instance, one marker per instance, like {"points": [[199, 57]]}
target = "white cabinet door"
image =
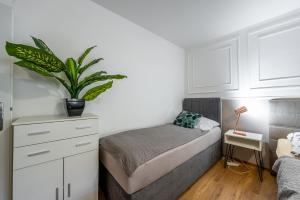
{"points": [[39, 182], [81, 176]]}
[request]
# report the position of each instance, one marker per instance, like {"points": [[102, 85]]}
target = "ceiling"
{"points": [[189, 23]]}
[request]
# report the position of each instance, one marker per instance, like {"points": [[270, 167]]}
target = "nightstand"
{"points": [[252, 141]]}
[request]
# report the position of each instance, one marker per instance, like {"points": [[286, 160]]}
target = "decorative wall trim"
{"points": [[224, 54], [264, 61], [7, 2], [273, 54]]}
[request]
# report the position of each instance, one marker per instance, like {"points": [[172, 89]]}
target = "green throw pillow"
{"points": [[187, 119]]}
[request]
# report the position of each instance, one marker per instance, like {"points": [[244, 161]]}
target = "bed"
{"points": [[284, 119], [164, 160]]}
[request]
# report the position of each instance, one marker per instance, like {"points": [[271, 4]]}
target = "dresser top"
{"points": [[50, 118]]}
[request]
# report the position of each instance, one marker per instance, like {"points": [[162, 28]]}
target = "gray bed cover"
{"points": [[288, 178], [135, 147]]}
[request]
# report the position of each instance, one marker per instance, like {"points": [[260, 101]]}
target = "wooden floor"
{"points": [[225, 184]]}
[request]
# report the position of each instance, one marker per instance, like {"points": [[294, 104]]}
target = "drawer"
{"points": [[39, 153], [45, 132], [83, 144]]}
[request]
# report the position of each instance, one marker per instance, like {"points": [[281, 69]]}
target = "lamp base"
{"points": [[242, 133], [233, 164]]}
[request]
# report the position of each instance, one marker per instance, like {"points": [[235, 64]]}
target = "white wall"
{"points": [[151, 95], [5, 98], [248, 68], [259, 61]]}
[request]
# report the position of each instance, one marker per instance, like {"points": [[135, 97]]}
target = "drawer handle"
{"points": [[38, 133], [38, 153], [82, 144], [57, 193], [82, 127], [69, 190]]}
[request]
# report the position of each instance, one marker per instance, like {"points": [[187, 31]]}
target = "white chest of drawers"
{"points": [[55, 158]]}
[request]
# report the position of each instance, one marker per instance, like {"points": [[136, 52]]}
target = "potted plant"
{"points": [[44, 62]]}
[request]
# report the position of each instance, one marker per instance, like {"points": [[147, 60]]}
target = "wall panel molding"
{"points": [[259, 61], [274, 54], [213, 68]]}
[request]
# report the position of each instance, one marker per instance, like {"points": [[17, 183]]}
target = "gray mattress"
{"points": [[136, 147], [161, 164], [169, 186]]}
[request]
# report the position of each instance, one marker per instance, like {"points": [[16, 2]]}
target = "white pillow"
{"points": [[206, 124], [294, 138]]}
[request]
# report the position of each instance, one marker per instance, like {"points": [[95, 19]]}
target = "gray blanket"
{"points": [[288, 178], [134, 148]]}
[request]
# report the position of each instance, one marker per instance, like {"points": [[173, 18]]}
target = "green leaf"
{"points": [[98, 76], [82, 69], [71, 70], [37, 56], [43, 72], [65, 85], [86, 52], [41, 45], [96, 91], [33, 67]]}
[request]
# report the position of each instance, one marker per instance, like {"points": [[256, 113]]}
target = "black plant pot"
{"points": [[75, 107]]}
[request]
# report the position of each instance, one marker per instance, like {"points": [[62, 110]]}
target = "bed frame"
{"points": [[174, 183], [284, 119]]}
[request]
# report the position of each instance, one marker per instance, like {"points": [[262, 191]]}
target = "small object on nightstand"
{"points": [[243, 133], [252, 141]]}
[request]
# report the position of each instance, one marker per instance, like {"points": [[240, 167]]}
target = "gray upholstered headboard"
{"points": [[208, 107], [284, 119]]}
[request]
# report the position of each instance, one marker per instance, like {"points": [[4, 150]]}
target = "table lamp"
{"points": [[238, 112]]}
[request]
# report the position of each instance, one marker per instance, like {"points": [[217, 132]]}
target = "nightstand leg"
{"points": [[261, 164], [262, 160], [226, 155], [258, 164], [231, 152]]}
